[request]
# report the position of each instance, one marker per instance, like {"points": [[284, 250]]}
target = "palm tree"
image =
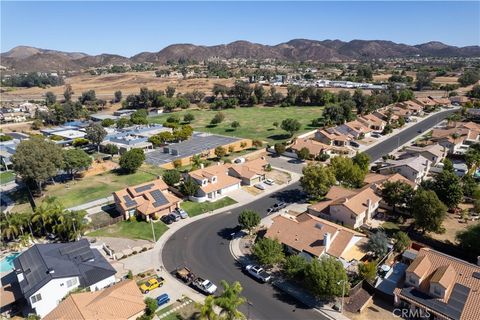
{"points": [[207, 311], [48, 212], [196, 161], [229, 301], [10, 227]]}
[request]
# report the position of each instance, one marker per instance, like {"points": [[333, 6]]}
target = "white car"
{"points": [[258, 273], [270, 182], [259, 186], [205, 286]]}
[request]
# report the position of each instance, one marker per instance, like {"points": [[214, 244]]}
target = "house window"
{"points": [[36, 298], [71, 282]]}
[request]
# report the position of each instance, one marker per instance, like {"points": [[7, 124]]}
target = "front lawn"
{"points": [[196, 208], [255, 122], [131, 230], [6, 176]]}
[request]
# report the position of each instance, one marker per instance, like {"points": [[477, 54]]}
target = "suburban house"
{"points": [[122, 301], [453, 137], [313, 237], [331, 137], [426, 102], [441, 102], [373, 122], [351, 208], [376, 180], [250, 172], [150, 199], [316, 148], [433, 152], [355, 129], [414, 169], [459, 100], [473, 114], [214, 182], [413, 107], [7, 150], [442, 286], [46, 273]]}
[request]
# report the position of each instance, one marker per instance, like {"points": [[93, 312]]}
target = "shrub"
{"points": [[323, 157]]}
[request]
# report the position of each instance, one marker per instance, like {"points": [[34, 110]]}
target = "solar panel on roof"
{"points": [[129, 202], [159, 198], [144, 188], [476, 275]]}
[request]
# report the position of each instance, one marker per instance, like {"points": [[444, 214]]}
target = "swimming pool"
{"points": [[6, 264]]}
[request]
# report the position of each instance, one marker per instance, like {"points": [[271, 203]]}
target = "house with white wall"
{"points": [[214, 182], [414, 169], [46, 273]]}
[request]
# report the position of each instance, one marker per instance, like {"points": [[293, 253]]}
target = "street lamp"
{"points": [[74, 228], [153, 230], [343, 293]]}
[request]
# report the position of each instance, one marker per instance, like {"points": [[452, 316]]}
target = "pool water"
{"points": [[6, 264]]}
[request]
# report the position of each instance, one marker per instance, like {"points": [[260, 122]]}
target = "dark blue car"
{"points": [[163, 299]]}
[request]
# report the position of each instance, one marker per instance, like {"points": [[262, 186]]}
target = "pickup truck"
{"points": [[152, 284], [185, 275], [258, 273], [204, 285], [276, 207]]}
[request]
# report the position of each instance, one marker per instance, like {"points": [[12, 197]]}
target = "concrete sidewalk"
{"points": [[92, 204]]}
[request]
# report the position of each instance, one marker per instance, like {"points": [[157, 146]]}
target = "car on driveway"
{"points": [[152, 284], [276, 207], [167, 219], [259, 186], [163, 299], [258, 273], [376, 135], [175, 216], [270, 182], [183, 214]]}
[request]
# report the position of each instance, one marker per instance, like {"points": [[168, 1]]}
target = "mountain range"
{"points": [[24, 58]]}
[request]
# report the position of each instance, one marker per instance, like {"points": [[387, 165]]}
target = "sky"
{"points": [[128, 28]]}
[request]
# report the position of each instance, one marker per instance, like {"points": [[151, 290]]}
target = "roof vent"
{"points": [[476, 275], [318, 225]]}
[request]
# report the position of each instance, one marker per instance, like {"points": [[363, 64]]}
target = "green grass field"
{"points": [[131, 230], [255, 122], [195, 208], [6, 176]]}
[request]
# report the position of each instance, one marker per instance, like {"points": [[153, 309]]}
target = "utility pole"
{"points": [[153, 230]]}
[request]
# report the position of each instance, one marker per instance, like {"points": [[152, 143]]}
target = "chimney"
{"points": [[369, 204], [326, 240]]}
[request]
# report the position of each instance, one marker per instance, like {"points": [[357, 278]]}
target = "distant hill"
{"points": [[23, 58]]}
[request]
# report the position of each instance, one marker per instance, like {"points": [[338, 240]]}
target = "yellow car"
{"points": [[152, 284]]}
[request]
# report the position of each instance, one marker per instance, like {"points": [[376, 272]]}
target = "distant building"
{"points": [[414, 169]]}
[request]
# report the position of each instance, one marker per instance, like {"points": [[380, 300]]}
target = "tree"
{"points": [[279, 148], [207, 311], [448, 188], [95, 133], [291, 126], [170, 91], [122, 123], [139, 117], [257, 143], [326, 277], [131, 160], [218, 118], [268, 251], [189, 187], [235, 124], [317, 179], [118, 96], [347, 172], [76, 160], [362, 160], [397, 193], [188, 117], [230, 300], [402, 241], [37, 160], [220, 152], [88, 96], [50, 98], [475, 92], [68, 92], [294, 266], [151, 306], [469, 239], [110, 149], [469, 77], [249, 219], [424, 79], [303, 153], [377, 243], [368, 270], [428, 211], [171, 177], [108, 122], [70, 225]]}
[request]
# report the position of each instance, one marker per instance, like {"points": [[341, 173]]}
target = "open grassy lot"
{"points": [[255, 122], [7, 176], [74, 193], [195, 208], [131, 230]]}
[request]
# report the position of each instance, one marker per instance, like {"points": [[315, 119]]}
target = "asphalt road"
{"points": [[203, 246]]}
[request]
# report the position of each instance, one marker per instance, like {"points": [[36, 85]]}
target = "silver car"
{"points": [[183, 214]]}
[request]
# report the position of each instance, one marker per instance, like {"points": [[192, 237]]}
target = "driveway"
{"points": [[289, 164]]}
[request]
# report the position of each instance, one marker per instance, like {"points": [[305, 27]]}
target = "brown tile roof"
{"points": [[419, 266], [221, 172], [425, 101], [305, 232], [379, 179], [447, 268], [313, 146], [412, 105], [372, 120], [250, 168], [333, 134], [358, 126], [359, 202], [121, 301]]}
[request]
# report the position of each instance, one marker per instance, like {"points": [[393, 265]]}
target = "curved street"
{"points": [[203, 245]]}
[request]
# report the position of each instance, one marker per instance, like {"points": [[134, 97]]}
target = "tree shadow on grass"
{"points": [[290, 196], [282, 136], [229, 130], [210, 126]]}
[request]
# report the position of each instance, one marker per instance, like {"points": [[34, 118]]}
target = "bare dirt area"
{"points": [[376, 310], [128, 83], [17, 127], [381, 77], [280, 177], [452, 225], [446, 80], [100, 167]]}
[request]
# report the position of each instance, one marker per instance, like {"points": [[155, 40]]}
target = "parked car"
{"points": [[167, 219], [259, 186], [239, 160], [205, 286], [152, 284], [163, 299], [276, 207], [175, 216], [183, 214], [354, 144], [269, 181], [376, 135], [185, 275], [258, 273]]}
